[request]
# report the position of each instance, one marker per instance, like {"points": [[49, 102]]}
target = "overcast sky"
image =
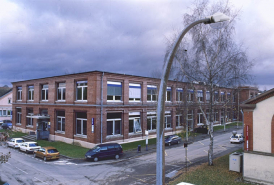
{"points": [[53, 37]]}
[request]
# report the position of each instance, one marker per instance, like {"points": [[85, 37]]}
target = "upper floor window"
{"points": [[179, 94], [114, 91], [30, 92], [222, 96], [134, 92], [190, 95], [168, 94], [45, 92], [19, 93], [82, 89], [216, 96], [9, 101], [200, 95], [61, 91], [151, 93], [207, 96]]}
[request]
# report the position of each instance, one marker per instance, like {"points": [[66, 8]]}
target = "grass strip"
{"points": [[221, 127], [210, 175]]}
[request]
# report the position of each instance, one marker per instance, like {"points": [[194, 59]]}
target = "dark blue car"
{"points": [[7, 125], [110, 150], [172, 139]]}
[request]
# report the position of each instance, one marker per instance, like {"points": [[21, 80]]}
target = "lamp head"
{"points": [[217, 17]]}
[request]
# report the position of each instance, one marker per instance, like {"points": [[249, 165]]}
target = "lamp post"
{"points": [[160, 160]]}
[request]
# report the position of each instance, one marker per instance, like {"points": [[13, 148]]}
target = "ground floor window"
{"points": [[61, 120], [18, 115], [167, 120], [216, 115], [29, 117], [134, 122], [151, 121], [81, 123], [179, 120], [190, 119], [114, 123], [200, 117]]}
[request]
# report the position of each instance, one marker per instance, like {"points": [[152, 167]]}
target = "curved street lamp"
{"points": [[160, 160]]}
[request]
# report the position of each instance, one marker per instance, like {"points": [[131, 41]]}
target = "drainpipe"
{"points": [[101, 120]]}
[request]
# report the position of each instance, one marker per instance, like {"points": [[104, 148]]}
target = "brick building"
{"points": [[259, 135], [94, 107]]}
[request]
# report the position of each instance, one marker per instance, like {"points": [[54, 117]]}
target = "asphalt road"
{"points": [[24, 169]]}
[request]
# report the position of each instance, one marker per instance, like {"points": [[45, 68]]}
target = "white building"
{"points": [[6, 106]]}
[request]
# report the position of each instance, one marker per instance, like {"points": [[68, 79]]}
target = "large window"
{"points": [[19, 93], [114, 91], [134, 123], [114, 121], [190, 95], [190, 119], [216, 96], [229, 97], [61, 120], [31, 93], [207, 96], [29, 117], [81, 90], [81, 123], [45, 92], [222, 96], [134, 92], [151, 121], [18, 115], [168, 94], [179, 120], [200, 95], [151, 93], [179, 94], [167, 120], [61, 91], [200, 117]]}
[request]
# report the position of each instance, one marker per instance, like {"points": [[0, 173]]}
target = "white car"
{"points": [[15, 142], [237, 138], [29, 147]]}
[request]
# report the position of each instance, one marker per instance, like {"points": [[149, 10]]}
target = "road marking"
{"points": [[166, 153], [40, 180], [222, 147], [21, 170], [205, 151], [189, 160], [136, 178], [201, 143]]}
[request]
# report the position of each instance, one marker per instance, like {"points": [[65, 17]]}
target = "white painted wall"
{"points": [[262, 117], [4, 105], [259, 168]]}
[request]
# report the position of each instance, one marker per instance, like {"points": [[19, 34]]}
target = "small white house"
{"points": [[6, 106], [258, 159]]}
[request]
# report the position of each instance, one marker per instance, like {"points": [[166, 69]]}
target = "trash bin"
{"points": [[236, 162], [139, 148]]}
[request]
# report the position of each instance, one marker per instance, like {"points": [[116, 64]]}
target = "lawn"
{"points": [[134, 145], [13, 134], [210, 175], [221, 127]]}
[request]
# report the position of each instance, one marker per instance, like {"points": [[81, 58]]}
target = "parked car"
{"points": [[15, 142], [201, 129], [4, 121], [110, 150], [47, 153], [29, 147], [236, 138], [172, 139], [7, 125]]}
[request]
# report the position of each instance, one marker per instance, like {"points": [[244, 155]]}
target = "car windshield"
{"points": [[20, 141], [96, 148], [32, 145], [168, 137], [234, 136], [50, 151]]}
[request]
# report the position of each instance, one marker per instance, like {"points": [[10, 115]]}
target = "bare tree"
{"points": [[212, 55]]}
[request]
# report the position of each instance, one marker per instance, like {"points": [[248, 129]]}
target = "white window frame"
{"points": [[152, 116], [222, 96], [179, 94], [61, 88], [151, 88], [191, 121], [168, 115], [61, 119], [190, 95], [114, 97], [200, 95], [135, 117], [82, 127], [18, 115], [113, 126], [134, 88], [178, 120], [168, 94], [45, 91], [19, 93], [82, 87]]}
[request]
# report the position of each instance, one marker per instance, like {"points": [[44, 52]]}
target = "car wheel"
{"points": [[95, 159], [45, 159], [117, 156], [34, 155]]}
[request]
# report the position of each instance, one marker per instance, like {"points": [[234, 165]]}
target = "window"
{"points": [[134, 92], [0, 112], [151, 93], [114, 91], [216, 96], [151, 121], [222, 96], [4, 112], [168, 94], [18, 115], [45, 92], [19, 93], [167, 120], [81, 90], [190, 95], [30, 92], [200, 117], [9, 101], [228, 97], [134, 122], [114, 121], [179, 94], [81, 123], [207, 96], [8, 112], [216, 115], [60, 121], [61, 91], [29, 117], [179, 120], [200, 95], [44, 112], [190, 119]]}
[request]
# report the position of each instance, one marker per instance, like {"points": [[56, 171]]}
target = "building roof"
{"points": [[252, 101], [4, 91]]}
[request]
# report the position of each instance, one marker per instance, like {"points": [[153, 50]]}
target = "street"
{"points": [[25, 169]]}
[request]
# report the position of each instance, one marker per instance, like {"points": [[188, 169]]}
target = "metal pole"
{"points": [[160, 160]]}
